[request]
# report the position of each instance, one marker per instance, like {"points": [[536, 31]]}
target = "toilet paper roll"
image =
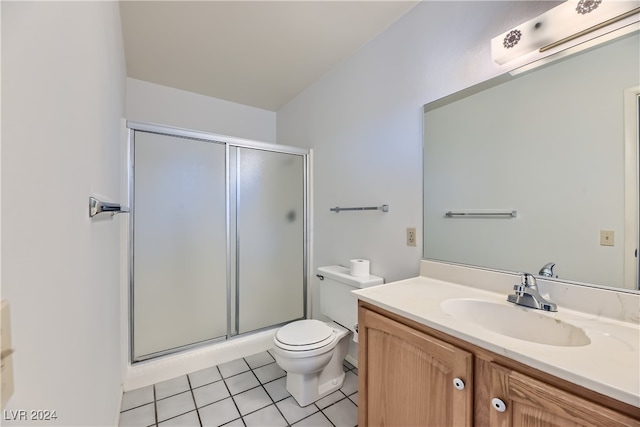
{"points": [[359, 267]]}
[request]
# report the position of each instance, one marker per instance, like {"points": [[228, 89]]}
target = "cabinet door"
{"points": [[529, 402], [407, 377]]}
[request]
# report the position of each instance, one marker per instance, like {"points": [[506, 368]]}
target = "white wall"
{"points": [[63, 81], [152, 103], [364, 122]]}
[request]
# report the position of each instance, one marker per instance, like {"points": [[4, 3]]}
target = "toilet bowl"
{"points": [[312, 351]]}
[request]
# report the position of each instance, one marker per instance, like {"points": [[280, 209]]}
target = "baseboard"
{"points": [[119, 406], [349, 358]]}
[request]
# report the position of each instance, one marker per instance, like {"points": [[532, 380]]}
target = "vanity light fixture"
{"points": [[562, 24]]}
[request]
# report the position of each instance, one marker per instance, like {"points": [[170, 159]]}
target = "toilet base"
{"points": [[305, 391]]}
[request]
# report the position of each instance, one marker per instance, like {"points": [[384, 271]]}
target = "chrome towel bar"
{"points": [[509, 214], [383, 208]]}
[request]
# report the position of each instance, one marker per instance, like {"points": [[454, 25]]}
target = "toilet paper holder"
{"points": [[98, 206]]}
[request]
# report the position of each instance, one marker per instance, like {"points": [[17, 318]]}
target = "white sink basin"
{"points": [[516, 322]]}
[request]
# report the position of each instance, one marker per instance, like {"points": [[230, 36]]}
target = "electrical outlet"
{"points": [[607, 238], [411, 236]]}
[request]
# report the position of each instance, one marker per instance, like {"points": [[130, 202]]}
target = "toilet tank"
{"points": [[336, 300]]}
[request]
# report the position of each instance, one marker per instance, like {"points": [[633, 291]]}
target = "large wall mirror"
{"points": [[553, 145]]}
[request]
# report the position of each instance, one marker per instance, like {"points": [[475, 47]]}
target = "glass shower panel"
{"points": [[180, 279], [270, 238]]}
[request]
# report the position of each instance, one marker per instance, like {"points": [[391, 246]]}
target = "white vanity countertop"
{"points": [[609, 365]]}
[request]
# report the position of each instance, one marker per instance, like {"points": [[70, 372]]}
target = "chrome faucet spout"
{"points": [[527, 295], [547, 269]]}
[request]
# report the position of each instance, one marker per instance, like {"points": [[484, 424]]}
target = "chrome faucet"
{"points": [[527, 294], [547, 269]]}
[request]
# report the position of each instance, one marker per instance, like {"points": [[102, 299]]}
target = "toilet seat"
{"points": [[305, 335]]}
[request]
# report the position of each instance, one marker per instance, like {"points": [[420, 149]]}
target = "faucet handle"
{"points": [[528, 281]]}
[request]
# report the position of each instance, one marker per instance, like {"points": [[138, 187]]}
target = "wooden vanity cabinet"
{"points": [[410, 375], [406, 377], [532, 403]]}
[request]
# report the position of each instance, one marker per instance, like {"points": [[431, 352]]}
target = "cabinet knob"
{"points": [[498, 404], [458, 383]]}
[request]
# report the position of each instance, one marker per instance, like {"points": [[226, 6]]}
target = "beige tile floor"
{"points": [[245, 392]]}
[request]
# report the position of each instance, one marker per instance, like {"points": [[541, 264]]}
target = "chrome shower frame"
{"points": [[231, 238]]}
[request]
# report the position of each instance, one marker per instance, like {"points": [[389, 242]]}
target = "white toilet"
{"points": [[311, 351]]}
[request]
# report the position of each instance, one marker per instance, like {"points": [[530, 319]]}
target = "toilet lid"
{"points": [[307, 333]]}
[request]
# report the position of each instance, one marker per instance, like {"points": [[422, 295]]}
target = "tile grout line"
{"points": [[193, 396], [327, 416], [231, 395], [335, 403], [183, 413], [262, 385], [273, 402], [319, 412], [155, 405], [122, 411], [284, 398]]}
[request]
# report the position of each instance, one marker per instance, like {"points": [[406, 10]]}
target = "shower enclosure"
{"points": [[218, 238]]}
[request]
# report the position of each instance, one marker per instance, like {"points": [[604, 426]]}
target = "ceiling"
{"points": [[257, 53]]}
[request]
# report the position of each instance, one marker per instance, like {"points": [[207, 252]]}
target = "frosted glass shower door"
{"points": [[179, 243], [270, 238]]}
